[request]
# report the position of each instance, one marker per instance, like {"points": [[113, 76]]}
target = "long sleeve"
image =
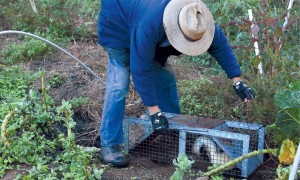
{"points": [[142, 51], [222, 52]]}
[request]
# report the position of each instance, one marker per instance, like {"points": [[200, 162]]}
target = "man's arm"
{"points": [[222, 51], [142, 52]]}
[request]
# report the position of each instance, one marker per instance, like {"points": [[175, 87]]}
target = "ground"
{"points": [[77, 82]]}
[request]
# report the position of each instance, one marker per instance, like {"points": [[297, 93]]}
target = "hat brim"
{"points": [[175, 35]]}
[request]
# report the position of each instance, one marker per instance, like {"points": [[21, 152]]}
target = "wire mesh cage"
{"points": [[206, 141]]}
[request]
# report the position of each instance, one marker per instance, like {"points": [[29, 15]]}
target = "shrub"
{"points": [[60, 18], [27, 50]]}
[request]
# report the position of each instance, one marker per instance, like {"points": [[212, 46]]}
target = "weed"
{"points": [[29, 133]]}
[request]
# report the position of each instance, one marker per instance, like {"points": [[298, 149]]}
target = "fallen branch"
{"points": [[237, 160]]}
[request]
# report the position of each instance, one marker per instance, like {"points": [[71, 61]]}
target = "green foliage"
{"points": [[28, 50], [40, 172], [279, 58], [182, 164], [56, 80], [61, 18], [30, 132], [283, 172], [288, 97], [200, 97], [288, 117], [214, 97], [57, 21], [78, 102], [278, 50]]}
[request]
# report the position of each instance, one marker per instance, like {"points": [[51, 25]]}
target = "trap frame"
{"points": [[207, 141]]}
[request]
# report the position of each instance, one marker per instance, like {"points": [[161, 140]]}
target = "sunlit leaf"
{"points": [[287, 152], [290, 97]]}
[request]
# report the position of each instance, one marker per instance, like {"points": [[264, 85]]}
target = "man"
{"points": [[139, 36]]}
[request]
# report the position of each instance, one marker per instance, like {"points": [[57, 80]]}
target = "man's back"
{"points": [[119, 18]]}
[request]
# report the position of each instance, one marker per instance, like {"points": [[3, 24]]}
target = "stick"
{"points": [[256, 48], [32, 3], [295, 164], [286, 20], [287, 16], [237, 160]]}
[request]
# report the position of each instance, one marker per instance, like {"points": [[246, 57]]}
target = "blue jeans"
{"points": [[117, 84]]}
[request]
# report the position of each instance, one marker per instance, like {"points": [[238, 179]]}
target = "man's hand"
{"points": [[159, 122], [243, 91]]}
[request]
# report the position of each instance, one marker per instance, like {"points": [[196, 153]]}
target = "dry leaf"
{"points": [[287, 152]]}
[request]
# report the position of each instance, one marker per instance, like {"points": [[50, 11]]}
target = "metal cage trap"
{"points": [[206, 141]]}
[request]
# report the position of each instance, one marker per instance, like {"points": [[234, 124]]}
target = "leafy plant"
{"points": [[182, 165], [56, 80], [78, 102], [283, 172], [58, 18], [28, 50], [28, 133], [288, 117]]}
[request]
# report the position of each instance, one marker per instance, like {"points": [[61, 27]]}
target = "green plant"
{"points": [[182, 165], [283, 172], [28, 50], [200, 97], [280, 62], [56, 80], [58, 18], [28, 133], [288, 116], [78, 102]]}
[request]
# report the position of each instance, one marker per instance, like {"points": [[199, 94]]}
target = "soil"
{"points": [[78, 82]]}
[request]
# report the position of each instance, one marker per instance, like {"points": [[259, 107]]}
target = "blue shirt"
{"points": [[137, 25]]}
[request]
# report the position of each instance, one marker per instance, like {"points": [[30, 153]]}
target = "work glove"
{"points": [[243, 91], [159, 122]]}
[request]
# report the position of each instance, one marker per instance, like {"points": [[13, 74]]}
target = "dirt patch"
{"points": [[141, 168], [18, 170]]}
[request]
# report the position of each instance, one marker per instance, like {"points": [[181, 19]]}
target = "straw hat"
{"points": [[189, 26]]}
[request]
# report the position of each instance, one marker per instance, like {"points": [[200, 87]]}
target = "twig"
{"points": [[86, 133]]}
